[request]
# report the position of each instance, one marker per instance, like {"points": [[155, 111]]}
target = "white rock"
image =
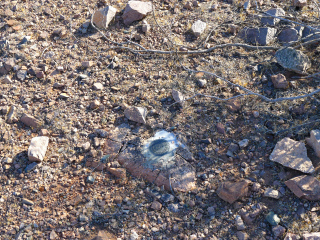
{"points": [[145, 26], [243, 143], [292, 154], [314, 141], [136, 114], [239, 223], [38, 148], [269, 192], [97, 86], [178, 97], [198, 28], [102, 17]]}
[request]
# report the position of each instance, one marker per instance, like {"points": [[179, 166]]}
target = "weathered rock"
{"points": [[269, 192], [314, 141], [278, 231], [311, 236], [136, 10], [178, 97], [242, 235], [243, 143], [86, 146], [279, 81], [305, 186], [310, 33], [291, 236], [53, 235], [95, 104], [232, 191], [220, 128], [145, 27], [104, 235], [9, 64], [300, 3], [21, 75], [30, 121], [278, 12], [292, 154], [7, 80], [239, 223], [293, 60], [156, 205], [136, 114], [273, 219], [97, 86], [87, 64], [198, 28], [27, 201], [102, 17], [12, 114], [261, 36], [38, 148], [288, 35], [118, 172]]}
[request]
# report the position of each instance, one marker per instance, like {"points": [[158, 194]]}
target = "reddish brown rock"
{"points": [[136, 10], [305, 186], [279, 81], [156, 205], [30, 121], [232, 191], [220, 128], [234, 105], [118, 172], [104, 235]]}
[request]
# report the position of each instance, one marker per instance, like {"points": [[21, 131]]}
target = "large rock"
{"points": [[30, 121], [136, 114], [293, 60], [102, 17], [314, 141], [309, 33], [278, 12], [232, 191], [262, 36], [288, 35], [305, 186], [198, 28], [311, 236], [136, 10], [38, 148], [292, 154]]}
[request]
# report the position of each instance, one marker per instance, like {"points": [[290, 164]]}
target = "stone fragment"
{"points": [[293, 60], [38, 148], [202, 83], [21, 75], [188, 5], [243, 143], [271, 193], [220, 128], [278, 12], [102, 17], [30, 121], [305, 186], [279, 81], [27, 201], [242, 236], [7, 80], [30, 167], [9, 64], [86, 146], [97, 86], [134, 235], [292, 154], [156, 205], [12, 114], [311, 236], [44, 132], [239, 223], [118, 172], [262, 36], [288, 35], [101, 133], [198, 28], [291, 236], [53, 235], [300, 3], [314, 141], [278, 231], [136, 114], [90, 179], [234, 105], [178, 97], [40, 74], [232, 191], [104, 235], [136, 10], [310, 33], [87, 64], [272, 219], [95, 104], [145, 27]]}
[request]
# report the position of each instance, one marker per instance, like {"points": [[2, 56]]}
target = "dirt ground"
{"points": [[50, 36]]}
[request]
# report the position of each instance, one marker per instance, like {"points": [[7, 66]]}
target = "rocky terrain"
{"points": [[159, 119]]}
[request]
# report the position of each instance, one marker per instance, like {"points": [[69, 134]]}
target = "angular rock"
{"points": [[145, 27], [309, 33], [220, 128], [271, 193], [87, 64], [27, 201], [97, 86], [104, 235], [292, 154], [242, 235], [261, 36], [53, 235], [293, 60], [21, 75], [136, 114], [300, 3], [156, 205], [311, 236], [102, 17], [288, 35], [291, 236], [38, 148], [30, 167], [30, 121], [7, 80], [239, 223], [232, 191], [198, 28], [95, 104], [9, 64], [279, 81], [178, 97], [273, 219], [305, 186], [136, 10], [314, 141], [278, 231], [118, 172], [278, 12], [11, 115]]}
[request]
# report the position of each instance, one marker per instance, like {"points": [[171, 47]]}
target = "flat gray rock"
{"points": [[136, 114], [293, 60], [292, 154], [102, 17], [288, 35], [38, 148], [261, 36], [278, 12]]}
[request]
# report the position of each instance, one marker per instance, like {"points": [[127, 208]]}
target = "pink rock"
{"points": [[102, 17], [278, 231], [279, 81], [30, 121], [291, 236], [311, 236], [136, 10], [232, 191], [305, 186]]}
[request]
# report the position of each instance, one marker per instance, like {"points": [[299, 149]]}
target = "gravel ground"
{"points": [[62, 72]]}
